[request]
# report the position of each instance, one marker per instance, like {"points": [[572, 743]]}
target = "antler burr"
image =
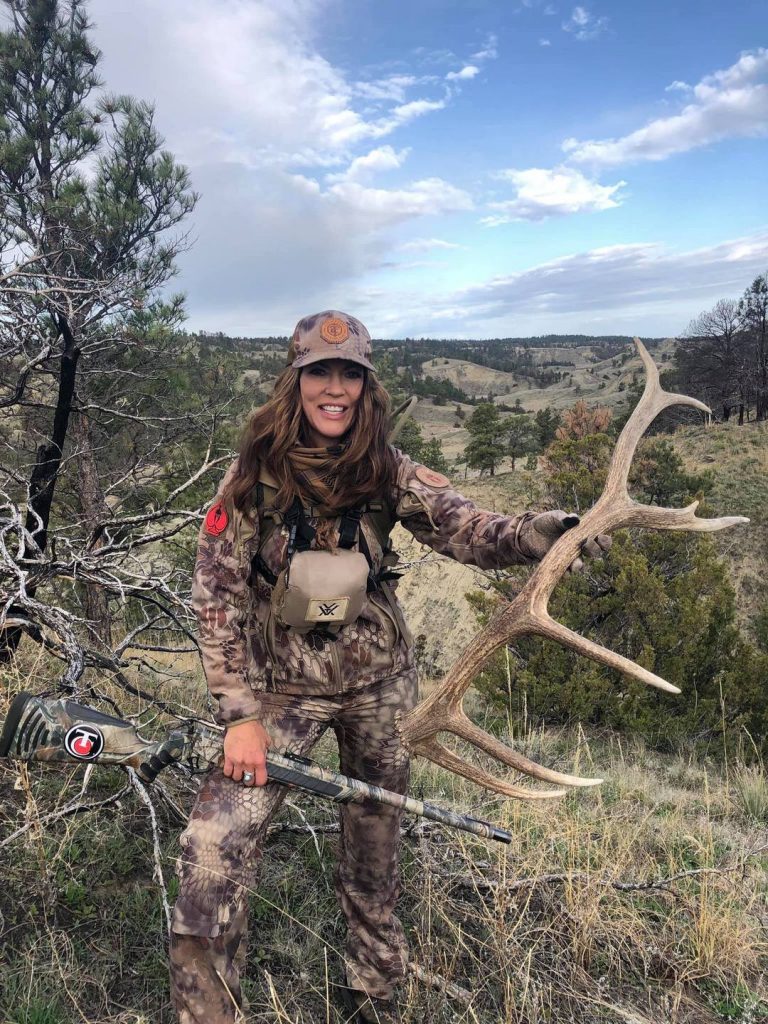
{"points": [[527, 614]]}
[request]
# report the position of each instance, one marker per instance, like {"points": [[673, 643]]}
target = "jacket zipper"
{"points": [[268, 638], [382, 607], [335, 665]]}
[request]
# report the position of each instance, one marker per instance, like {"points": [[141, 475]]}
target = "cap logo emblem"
{"points": [[334, 331]]}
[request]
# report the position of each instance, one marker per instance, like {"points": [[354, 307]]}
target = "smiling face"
{"points": [[330, 391]]}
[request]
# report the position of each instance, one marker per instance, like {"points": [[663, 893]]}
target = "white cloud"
{"points": [[425, 244], [429, 56], [489, 49], [545, 42], [641, 288], [635, 276], [394, 87], [584, 25], [281, 146], [266, 257], [407, 112], [385, 207], [351, 201], [252, 70], [385, 158], [466, 73], [416, 264], [534, 4], [543, 193], [732, 103]]}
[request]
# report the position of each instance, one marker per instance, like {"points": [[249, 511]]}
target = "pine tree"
{"points": [[547, 421], [486, 446], [87, 251], [432, 456], [411, 440], [520, 436]]}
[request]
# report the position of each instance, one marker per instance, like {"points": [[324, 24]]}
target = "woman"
{"points": [[288, 656]]}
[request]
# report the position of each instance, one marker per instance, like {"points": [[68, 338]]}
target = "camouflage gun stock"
{"points": [[40, 729]]}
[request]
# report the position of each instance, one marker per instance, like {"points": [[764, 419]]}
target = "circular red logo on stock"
{"points": [[84, 742], [216, 520]]}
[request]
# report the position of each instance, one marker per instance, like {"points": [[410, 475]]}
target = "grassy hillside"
{"points": [[641, 901], [737, 457], [589, 376]]}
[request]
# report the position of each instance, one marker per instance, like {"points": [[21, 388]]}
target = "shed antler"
{"points": [[527, 614]]}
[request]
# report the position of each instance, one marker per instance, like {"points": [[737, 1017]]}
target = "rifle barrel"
{"points": [[305, 774], [41, 729]]}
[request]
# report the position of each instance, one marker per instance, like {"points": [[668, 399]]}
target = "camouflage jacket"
{"points": [[246, 652]]}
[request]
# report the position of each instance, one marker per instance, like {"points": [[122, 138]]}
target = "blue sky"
{"points": [[462, 169]]}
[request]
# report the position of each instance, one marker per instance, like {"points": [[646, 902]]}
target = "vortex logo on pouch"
{"points": [[84, 741]]}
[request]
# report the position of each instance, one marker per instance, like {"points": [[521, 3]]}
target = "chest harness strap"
{"points": [[301, 535]]}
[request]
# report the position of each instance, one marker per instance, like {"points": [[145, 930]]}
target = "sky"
{"points": [[458, 168]]}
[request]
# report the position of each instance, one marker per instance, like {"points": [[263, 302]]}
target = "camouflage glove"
{"points": [[538, 533]]}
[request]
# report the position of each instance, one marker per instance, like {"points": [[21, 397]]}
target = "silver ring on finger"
{"points": [[247, 777]]}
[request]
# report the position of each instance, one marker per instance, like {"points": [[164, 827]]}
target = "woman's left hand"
{"points": [[542, 530]]}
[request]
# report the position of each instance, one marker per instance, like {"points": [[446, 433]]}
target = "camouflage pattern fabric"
{"points": [[222, 846], [247, 653], [300, 684]]}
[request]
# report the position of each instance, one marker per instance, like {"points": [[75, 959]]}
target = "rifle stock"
{"points": [[39, 729]]}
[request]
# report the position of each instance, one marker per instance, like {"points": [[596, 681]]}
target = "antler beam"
{"points": [[527, 614]]}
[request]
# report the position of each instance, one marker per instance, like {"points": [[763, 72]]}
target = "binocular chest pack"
{"points": [[317, 587]]}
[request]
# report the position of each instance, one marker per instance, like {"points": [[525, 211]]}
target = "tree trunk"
{"points": [[42, 481], [741, 414], [94, 510]]}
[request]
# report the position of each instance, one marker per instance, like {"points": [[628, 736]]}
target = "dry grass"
{"points": [[83, 932], [738, 459], [750, 786], [81, 924]]}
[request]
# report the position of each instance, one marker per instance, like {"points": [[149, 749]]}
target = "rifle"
{"points": [[41, 729]]}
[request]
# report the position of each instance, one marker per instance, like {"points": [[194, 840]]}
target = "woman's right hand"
{"points": [[245, 750]]}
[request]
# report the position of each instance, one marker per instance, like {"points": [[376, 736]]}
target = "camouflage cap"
{"points": [[330, 335]]}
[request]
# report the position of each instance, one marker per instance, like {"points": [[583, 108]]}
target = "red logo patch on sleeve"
{"points": [[431, 478], [217, 519]]}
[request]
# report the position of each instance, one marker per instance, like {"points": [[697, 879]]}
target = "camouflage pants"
{"points": [[221, 850]]}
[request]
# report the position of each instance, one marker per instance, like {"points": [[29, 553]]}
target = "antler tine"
{"points": [[656, 517], [438, 754], [528, 615], [653, 401], [553, 630], [467, 730]]}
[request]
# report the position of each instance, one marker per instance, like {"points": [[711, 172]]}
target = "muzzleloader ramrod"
{"points": [[40, 729]]}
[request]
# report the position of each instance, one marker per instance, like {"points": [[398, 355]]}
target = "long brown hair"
{"points": [[364, 469]]}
